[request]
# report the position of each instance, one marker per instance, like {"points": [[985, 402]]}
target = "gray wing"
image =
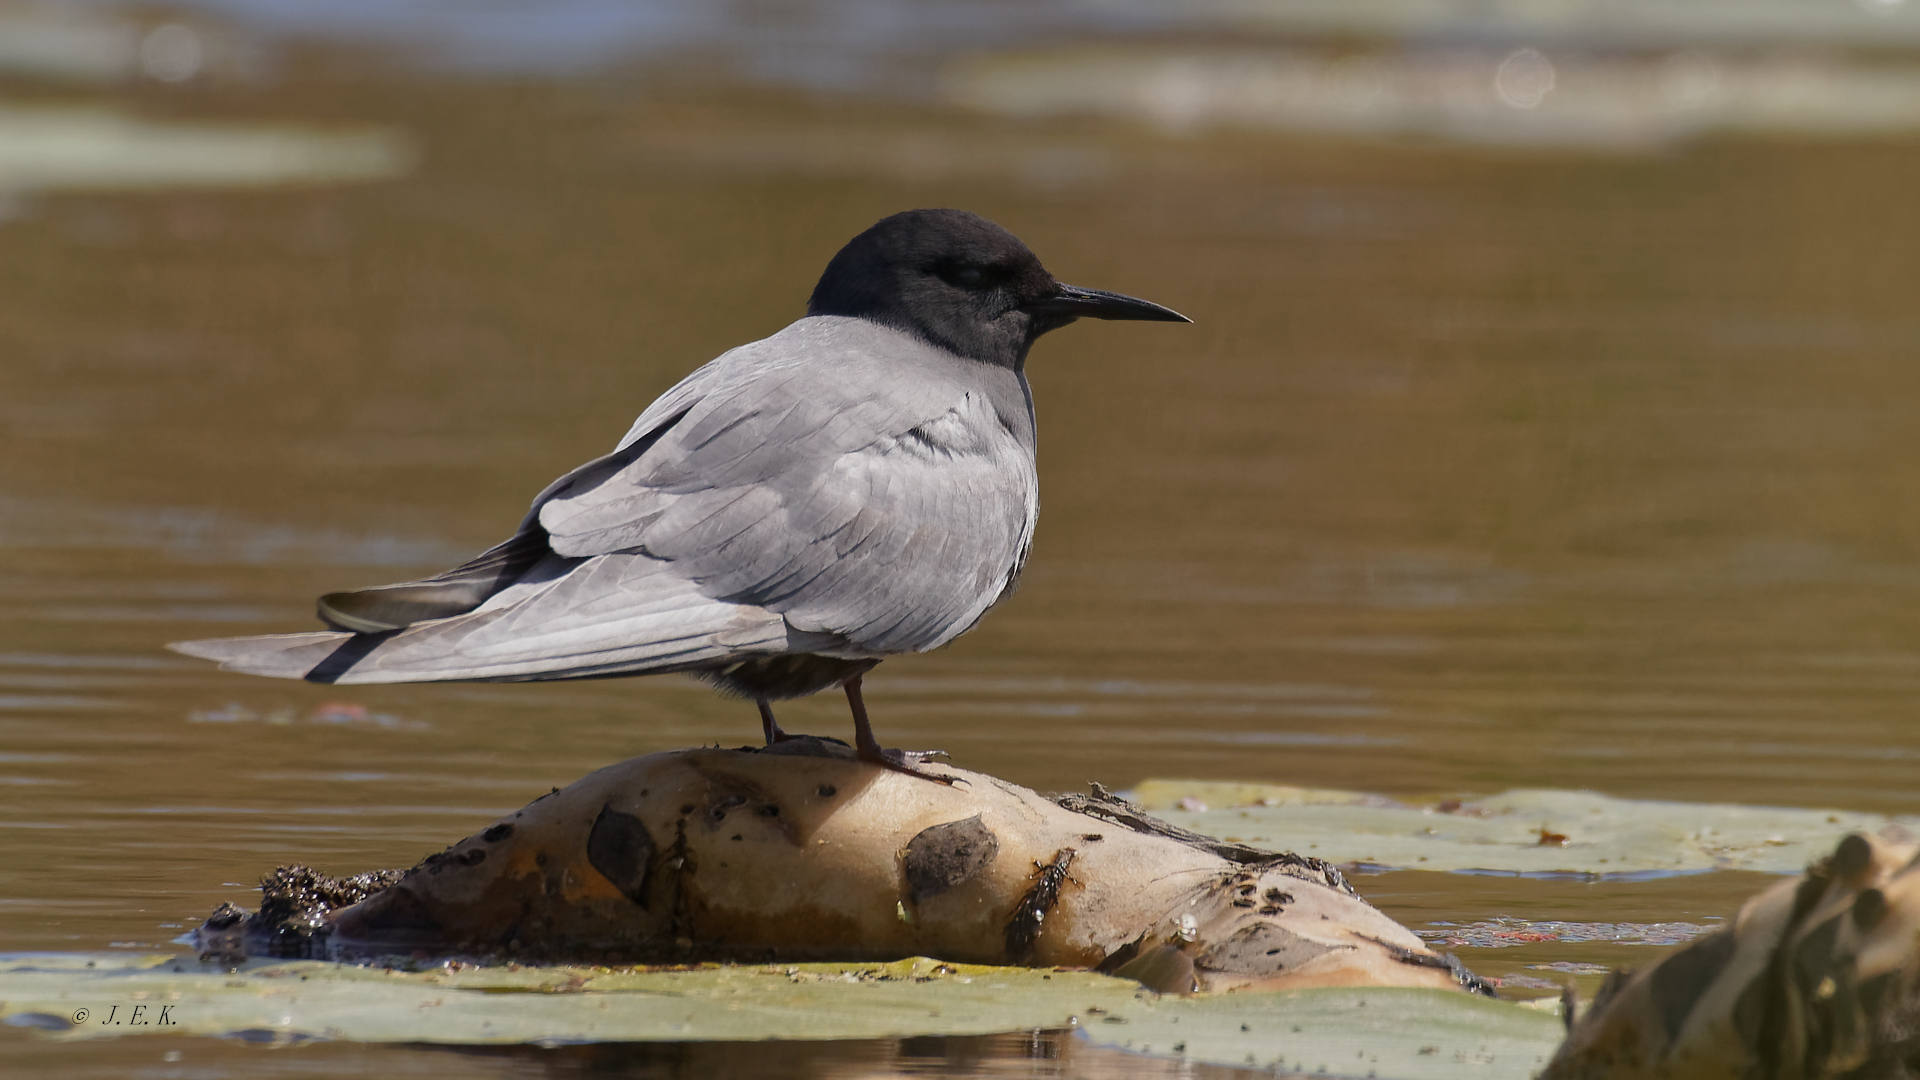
{"points": [[825, 495], [889, 519]]}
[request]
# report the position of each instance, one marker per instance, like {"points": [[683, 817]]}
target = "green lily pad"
{"points": [[1388, 1033], [1520, 832], [1406, 1034], [94, 147]]}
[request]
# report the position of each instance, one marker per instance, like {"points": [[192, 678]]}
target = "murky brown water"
{"points": [[1478, 469]]}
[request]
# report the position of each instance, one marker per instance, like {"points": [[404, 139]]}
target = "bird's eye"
{"points": [[966, 277]]}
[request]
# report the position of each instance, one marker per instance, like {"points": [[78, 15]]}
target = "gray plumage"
{"points": [[781, 505], [858, 485]]}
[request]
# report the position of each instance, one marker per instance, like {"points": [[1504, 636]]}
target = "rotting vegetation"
{"points": [[798, 853], [1814, 978]]}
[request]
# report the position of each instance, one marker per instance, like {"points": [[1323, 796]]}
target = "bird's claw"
{"points": [[908, 762]]}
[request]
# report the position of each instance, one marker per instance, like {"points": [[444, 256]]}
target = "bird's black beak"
{"points": [[1074, 302]]}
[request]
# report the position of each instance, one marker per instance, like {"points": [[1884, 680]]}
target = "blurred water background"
{"points": [[1551, 415]]}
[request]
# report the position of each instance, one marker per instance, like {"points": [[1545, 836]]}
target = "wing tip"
{"points": [[205, 649], [282, 656]]}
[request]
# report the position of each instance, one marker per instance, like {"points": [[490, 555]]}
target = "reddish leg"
{"points": [[868, 749], [768, 725]]}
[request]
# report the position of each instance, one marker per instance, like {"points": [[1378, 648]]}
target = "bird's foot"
{"points": [[868, 749], [771, 728], [907, 761]]}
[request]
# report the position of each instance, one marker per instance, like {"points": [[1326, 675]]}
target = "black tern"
{"points": [[859, 485]]}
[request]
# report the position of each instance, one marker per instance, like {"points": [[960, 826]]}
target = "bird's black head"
{"points": [[963, 283]]}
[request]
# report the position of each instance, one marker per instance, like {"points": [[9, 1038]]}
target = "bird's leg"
{"points": [[868, 749], [768, 725]]}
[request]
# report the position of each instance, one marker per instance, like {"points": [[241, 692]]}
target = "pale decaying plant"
{"points": [[1815, 978], [800, 853]]}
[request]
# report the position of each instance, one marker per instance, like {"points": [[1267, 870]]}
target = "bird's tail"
{"points": [[282, 656], [567, 618]]}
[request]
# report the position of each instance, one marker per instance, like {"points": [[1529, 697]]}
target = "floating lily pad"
{"points": [[1404, 1034], [1520, 832], [1409, 1033], [92, 147]]}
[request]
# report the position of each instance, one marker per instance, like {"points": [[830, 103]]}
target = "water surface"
{"points": [[1478, 469]]}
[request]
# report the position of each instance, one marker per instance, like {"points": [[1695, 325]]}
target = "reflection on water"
{"points": [[1627, 75], [1040, 1055], [1520, 97], [869, 35], [1478, 470]]}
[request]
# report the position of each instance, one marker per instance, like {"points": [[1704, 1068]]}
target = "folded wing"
{"points": [[813, 495]]}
